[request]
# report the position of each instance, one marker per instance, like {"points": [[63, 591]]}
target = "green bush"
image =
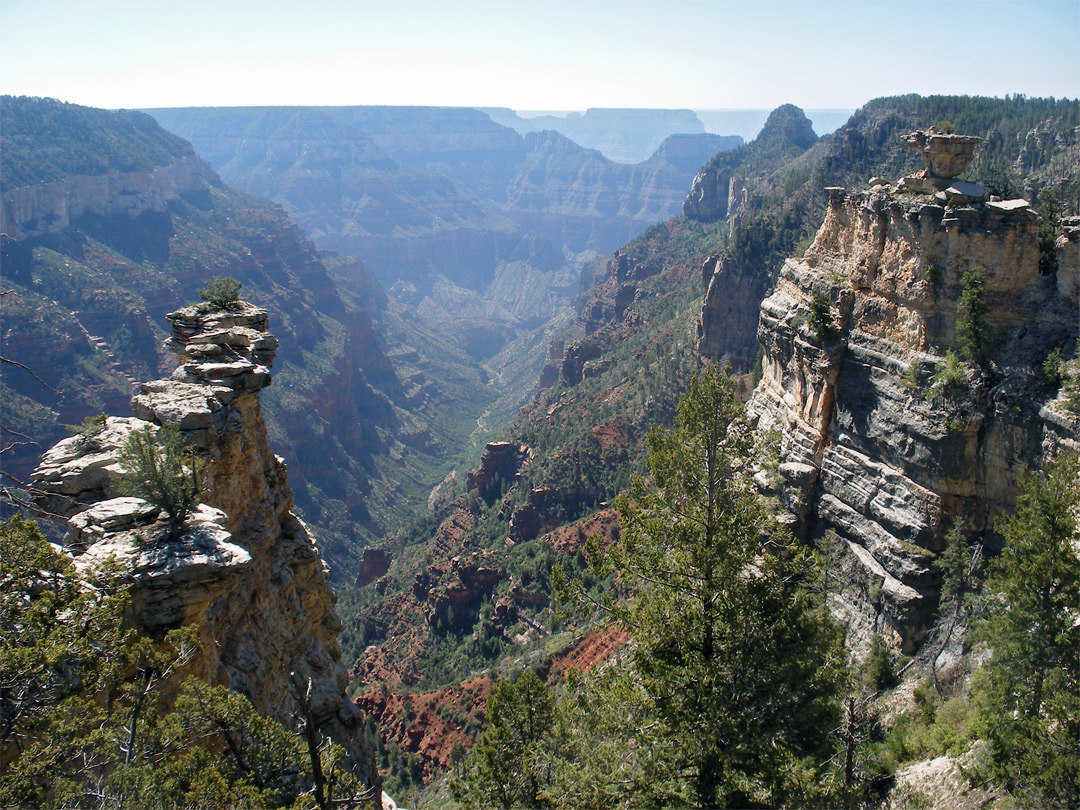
{"points": [[949, 378], [879, 672], [89, 429], [910, 378], [156, 472], [821, 320], [222, 293], [1053, 372]]}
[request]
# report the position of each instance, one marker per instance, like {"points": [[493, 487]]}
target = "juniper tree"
{"points": [[222, 293], [161, 470]]}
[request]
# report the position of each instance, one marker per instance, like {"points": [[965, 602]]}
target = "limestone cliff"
{"points": [[45, 208], [247, 572], [729, 191], [872, 447]]}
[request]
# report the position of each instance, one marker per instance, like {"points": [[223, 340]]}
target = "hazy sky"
{"points": [[702, 54]]}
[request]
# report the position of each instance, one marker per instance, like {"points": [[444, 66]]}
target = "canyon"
{"points": [[462, 255], [446, 204]]}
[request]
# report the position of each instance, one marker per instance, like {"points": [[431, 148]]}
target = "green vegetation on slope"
{"points": [[727, 645], [80, 141], [90, 718]]}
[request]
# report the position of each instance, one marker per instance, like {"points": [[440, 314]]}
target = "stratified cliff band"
{"points": [[873, 446]]}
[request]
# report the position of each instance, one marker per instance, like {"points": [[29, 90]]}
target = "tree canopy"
{"points": [[1029, 690]]}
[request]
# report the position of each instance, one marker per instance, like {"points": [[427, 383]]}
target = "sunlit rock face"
{"points": [[245, 570], [44, 208], [870, 448]]}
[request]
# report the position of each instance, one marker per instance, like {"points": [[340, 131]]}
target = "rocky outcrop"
{"points": [[50, 207], [246, 572], [500, 466], [453, 591], [720, 189], [946, 154], [946, 157], [729, 312], [373, 566], [872, 447], [715, 195]]}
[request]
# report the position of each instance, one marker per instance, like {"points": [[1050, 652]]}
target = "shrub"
{"points": [[910, 378], [1053, 372], [222, 293], [89, 429], [156, 473], [879, 670], [821, 319], [972, 328], [949, 378]]}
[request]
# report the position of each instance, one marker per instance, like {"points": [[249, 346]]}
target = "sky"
{"points": [[535, 55]]}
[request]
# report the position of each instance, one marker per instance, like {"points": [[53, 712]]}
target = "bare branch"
{"points": [[30, 371], [6, 429]]}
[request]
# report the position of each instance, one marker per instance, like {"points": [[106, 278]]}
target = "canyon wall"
{"points": [[873, 445], [45, 208]]}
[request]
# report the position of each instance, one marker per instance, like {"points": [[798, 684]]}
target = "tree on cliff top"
{"points": [[222, 292]]}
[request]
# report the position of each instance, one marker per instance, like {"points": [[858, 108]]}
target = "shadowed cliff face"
{"points": [[871, 447], [246, 572]]}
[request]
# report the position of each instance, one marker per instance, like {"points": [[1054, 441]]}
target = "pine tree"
{"points": [[1029, 691], [742, 665], [508, 767]]}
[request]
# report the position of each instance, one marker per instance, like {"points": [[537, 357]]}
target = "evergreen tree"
{"points": [[1029, 691], [743, 667], [972, 328], [508, 766], [156, 472]]}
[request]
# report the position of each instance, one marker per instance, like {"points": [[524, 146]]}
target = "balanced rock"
{"points": [[946, 155]]}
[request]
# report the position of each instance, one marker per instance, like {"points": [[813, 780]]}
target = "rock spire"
{"points": [[247, 573]]}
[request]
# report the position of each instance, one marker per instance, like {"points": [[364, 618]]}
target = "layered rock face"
{"points": [[50, 207], [871, 446], [246, 571], [729, 311]]}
